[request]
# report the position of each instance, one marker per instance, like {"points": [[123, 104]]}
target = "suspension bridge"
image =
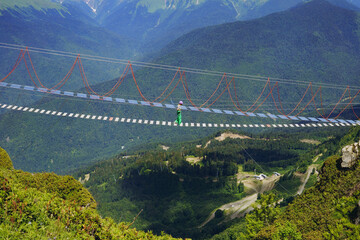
{"points": [[270, 92]]}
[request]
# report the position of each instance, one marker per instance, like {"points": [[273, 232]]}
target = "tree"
{"points": [[241, 187], [286, 231], [263, 215], [219, 213]]}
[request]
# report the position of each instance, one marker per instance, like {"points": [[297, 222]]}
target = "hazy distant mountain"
{"points": [[156, 22], [354, 2], [46, 24]]}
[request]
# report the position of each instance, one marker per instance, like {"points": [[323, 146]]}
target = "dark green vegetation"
{"points": [[328, 210], [309, 46], [176, 194], [48, 206], [5, 160]]}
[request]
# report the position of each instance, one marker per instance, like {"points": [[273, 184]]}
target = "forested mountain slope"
{"points": [[154, 23], [178, 186], [316, 41], [48, 206], [328, 210]]}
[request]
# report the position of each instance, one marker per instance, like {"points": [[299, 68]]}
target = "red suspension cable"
{"points": [[217, 88], [59, 84], [20, 57], [307, 89], [347, 89], [112, 90], [270, 93], [267, 82], [167, 87], [351, 100], [232, 100], [352, 107], [186, 90], [320, 104], [312, 99], [182, 78], [273, 98], [237, 100]]}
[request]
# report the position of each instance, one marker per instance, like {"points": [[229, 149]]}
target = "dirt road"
{"points": [[243, 206], [236, 208], [304, 181]]}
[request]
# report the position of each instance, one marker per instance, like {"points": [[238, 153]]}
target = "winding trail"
{"points": [[243, 206], [308, 173], [237, 207]]}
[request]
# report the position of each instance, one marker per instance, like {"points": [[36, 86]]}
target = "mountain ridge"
{"points": [[35, 4], [184, 16], [153, 24], [255, 32]]}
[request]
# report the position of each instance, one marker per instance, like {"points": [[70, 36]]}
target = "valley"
{"points": [[181, 179], [242, 51], [269, 141]]}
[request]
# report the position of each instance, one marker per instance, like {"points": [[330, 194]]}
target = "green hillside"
{"points": [[36, 4], [327, 210], [48, 206], [5, 160], [178, 188], [172, 192]]}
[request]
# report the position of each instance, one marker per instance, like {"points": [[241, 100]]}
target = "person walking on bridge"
{"points": [[178, 112]]}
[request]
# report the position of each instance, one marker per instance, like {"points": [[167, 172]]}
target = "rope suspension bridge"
{"points": [[270, 92]]}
